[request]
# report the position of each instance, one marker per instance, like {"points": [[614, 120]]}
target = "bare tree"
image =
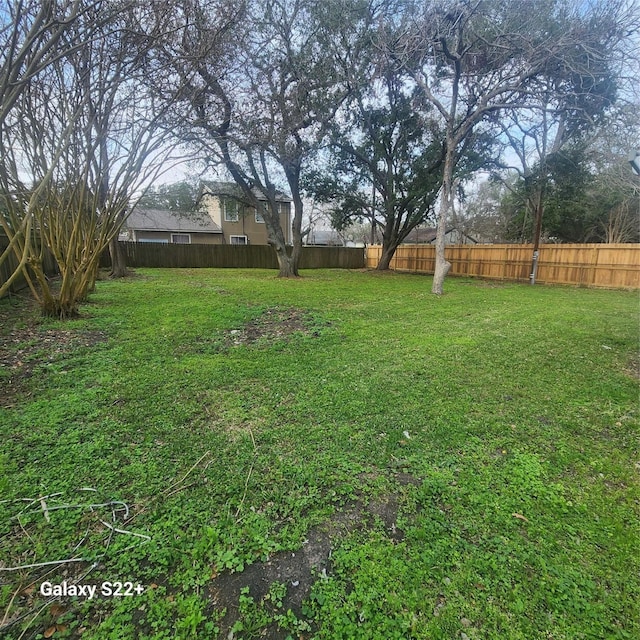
{"points": [[474, 59], [30, 41], [622, 222], [257, 83], [615, 190], [483, 212], [80, 141]]}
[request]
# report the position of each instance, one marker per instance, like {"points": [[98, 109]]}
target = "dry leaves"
{"points": [[520, 517]]}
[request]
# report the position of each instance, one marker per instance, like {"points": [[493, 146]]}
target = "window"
{"points": [[238, 240], [283, 207], [154, 240], [181, 238], [231, 213]]}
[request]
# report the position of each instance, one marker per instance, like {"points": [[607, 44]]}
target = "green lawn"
{"points": [[470, 462]]}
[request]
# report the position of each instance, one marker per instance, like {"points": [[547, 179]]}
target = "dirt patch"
{"points": [[299, 570], [273, 325], [23, 349], [633, 367]]}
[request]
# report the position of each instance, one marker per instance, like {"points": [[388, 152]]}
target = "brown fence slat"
{"points": [[148, 254], [594, 265], [142, 254]]}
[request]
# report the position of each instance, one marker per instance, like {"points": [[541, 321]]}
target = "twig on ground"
{"points": [[6, 612], [116, 505], [124, 531], [45, 511], [25, 531], [40, 505], [246, 484], [179, 489], [42, 564], [178, 482]]}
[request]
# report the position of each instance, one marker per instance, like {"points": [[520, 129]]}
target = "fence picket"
{"points": [[148, 254], [597, 265]]}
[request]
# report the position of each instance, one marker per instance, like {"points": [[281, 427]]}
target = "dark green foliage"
{"points": [[391, 149], [579, 200], [386, 164], [178, 196]]}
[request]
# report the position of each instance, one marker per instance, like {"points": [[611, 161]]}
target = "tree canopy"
{"points": [[381, 110]]}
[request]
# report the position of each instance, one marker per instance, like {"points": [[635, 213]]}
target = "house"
{"points": [[239, 222], [323, 238], [170, 227], [428, 236], [221, 218]]}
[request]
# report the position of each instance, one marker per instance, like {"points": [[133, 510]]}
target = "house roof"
{"points": [[231, 189], [324, 237], [164, 220], [418, 236], [428, 235]]}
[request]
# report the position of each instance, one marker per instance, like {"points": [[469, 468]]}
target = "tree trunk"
{"points": [[442, 268], [390, 235], [536, 241], [446, 198], [296, 234], [286, 267], [63, 304], [292, 172], [118, 259], [296, 253], [388, 251]]}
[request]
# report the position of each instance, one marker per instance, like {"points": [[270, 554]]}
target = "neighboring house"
{"points": [[170, 227], [323, 238], [240, 223], [428, 236]]}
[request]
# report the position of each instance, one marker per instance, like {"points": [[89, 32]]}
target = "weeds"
{"points": [[499, 426]]}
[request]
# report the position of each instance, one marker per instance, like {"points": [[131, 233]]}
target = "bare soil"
{"points": [[25, 347], [299, 570], [273, 325], [633, 368]]}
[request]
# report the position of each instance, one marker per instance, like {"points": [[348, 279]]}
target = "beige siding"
{"points": [[256, 232], [212, 207]]}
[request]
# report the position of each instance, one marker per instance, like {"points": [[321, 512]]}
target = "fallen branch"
{"points": [[246, 484], [178, 482]]}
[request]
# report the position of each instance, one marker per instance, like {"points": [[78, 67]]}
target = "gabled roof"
{"points": [[428, 235], [231, 189], [420, 235], [164, 220], [324, 237]]}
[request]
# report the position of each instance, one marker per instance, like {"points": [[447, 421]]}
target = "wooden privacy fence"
{"points": [[592, 265], [149, 254], [9, 265]]}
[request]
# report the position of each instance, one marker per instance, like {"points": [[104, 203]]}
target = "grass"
{"points": [[498, 421]]}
